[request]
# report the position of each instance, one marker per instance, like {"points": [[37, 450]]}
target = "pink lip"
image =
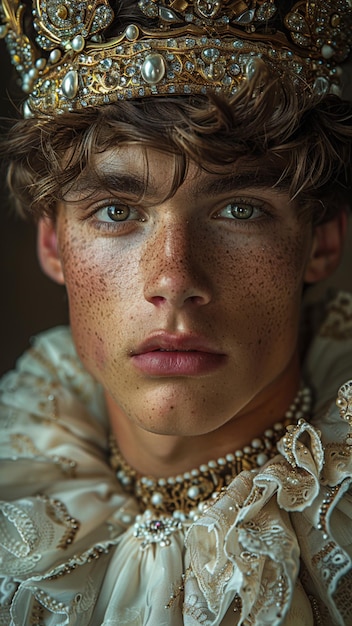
{"points": [[164, 354]]}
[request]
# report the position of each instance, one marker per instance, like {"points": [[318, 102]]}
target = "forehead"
{"points": [[141, 171]]}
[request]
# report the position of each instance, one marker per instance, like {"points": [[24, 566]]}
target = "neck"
{"points": [[159, 455]]}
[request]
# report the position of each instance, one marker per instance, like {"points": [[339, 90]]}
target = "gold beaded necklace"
{"points": [[179, 495]]}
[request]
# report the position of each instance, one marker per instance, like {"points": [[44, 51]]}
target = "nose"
{"points": [[176, 268]]}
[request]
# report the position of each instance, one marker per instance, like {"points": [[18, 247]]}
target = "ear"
{"points": [[327, 247], [47, 248]]}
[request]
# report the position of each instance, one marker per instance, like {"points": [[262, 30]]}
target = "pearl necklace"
{"points": [[181, 495]]}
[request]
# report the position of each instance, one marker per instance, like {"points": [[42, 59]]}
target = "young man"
{"points": [[164, 462]]}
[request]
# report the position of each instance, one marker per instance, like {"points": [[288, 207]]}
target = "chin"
{"points": [[179, 422]]}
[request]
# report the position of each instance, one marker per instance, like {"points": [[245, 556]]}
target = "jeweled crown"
{"points": [[79, 53]]}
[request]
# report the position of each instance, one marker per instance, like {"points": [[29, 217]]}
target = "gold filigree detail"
{"points": [[69, 21], [189, 46], [58, 513]]}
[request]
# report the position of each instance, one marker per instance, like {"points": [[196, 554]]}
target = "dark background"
{"points": [[30, 302]]}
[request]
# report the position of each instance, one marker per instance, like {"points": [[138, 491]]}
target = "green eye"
{"points": [[115, 216], [114, 213], [240, 211]]}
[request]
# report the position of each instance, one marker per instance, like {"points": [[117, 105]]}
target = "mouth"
{"points": [[165, 355], [162, 341]]}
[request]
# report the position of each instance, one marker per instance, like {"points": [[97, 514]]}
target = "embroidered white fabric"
{"points": [[274, 548]]}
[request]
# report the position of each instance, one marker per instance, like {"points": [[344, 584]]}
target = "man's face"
{"points": [[186, 309]]}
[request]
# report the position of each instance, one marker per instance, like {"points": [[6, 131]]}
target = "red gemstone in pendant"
{"points": [[156, 525]]}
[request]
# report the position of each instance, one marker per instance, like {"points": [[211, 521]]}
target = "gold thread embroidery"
{"points": [[58, 513]]}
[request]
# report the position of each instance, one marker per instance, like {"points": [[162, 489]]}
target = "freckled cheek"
{"points": [[92, 294], [262, 288], [101, 290]]}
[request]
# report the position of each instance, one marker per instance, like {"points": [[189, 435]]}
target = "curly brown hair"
{"points": [[310, 138]]}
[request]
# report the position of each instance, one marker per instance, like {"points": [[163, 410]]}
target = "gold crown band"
{"points": [[195, 46]]}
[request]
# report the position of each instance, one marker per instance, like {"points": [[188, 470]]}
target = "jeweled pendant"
{"points": [[155, 530]]}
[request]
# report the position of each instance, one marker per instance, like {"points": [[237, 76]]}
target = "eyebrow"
{"points": [[251, 179], [90, 182]]}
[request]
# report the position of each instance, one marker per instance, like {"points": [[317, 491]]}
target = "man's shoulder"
{"points": [[50, 380], [328, 362]]}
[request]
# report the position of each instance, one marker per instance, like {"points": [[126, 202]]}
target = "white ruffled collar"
{"points": [[68, 531]]}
